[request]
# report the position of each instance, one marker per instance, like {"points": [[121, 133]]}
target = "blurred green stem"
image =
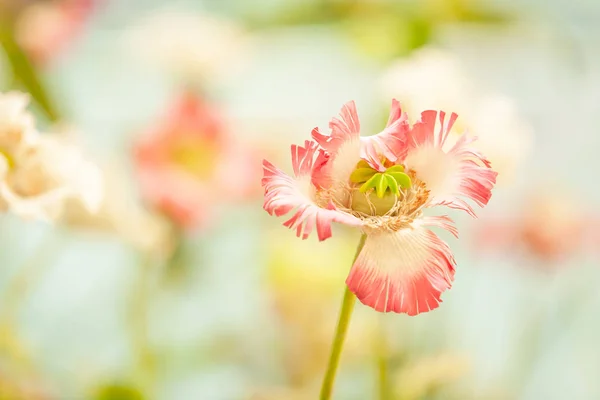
{"points": [[382, 360], [177, 264], [24, 71], [139, 315], [340, 335], [16, 291]]}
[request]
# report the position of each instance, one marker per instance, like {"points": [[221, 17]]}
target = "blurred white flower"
{"points": [[38, 173], [435, 79], [122, 213], [16, 123], [193, 47]]}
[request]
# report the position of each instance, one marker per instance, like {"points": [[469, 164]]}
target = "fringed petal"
{"points": [[320, 175], [403, 272], [342, 130], [422, 134], [390, 143], [340, 149], [344, 147], [441, 221], [449, 175], [284, 194]]}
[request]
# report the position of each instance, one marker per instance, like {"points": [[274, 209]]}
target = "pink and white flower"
{"points": [[382, 184], [186, 162]]}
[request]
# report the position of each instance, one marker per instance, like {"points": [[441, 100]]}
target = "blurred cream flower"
{"points": [[38, 173], [16, 123], [428, 374], [194, 47], [435, 79], [122, 213]]}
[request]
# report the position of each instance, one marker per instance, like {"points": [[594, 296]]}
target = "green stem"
{"points": [[382, 360], [139, 314], [12, 299], [24, 71], [177, 264], [340, 335]]}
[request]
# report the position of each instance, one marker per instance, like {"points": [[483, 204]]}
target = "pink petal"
{"points": [[450, 175], [340, 151], [441, 221], [344, 147], [391, 142], [320, 174], [474, 176], [423, 131], [342, 130], [284, 194], [403, 272]]}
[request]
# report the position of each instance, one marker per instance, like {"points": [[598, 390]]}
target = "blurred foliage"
{"points": [[13, 388], [383, 29], [24, 74], [425, 376], [118, 391]]}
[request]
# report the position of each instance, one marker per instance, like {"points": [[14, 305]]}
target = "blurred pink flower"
{"points": [[44, 28], [188, 164], [381, 184], [550, 227]]}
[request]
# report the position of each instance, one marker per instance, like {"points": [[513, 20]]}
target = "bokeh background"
{"points": [[207, 297]]}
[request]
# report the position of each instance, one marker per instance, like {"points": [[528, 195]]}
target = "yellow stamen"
{"points": [[9, 159]]}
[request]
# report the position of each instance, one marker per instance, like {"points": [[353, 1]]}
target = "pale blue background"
{"points": [[550, 64]]}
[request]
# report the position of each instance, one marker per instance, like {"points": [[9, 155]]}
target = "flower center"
{"points": [[10, 161], [376, 193], [197, 157]]}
